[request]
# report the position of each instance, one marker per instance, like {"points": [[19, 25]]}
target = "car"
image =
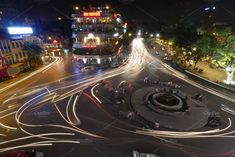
{"points": [[137, 154], [115, 65], [167, 58], [87, 68], [24, 153]]}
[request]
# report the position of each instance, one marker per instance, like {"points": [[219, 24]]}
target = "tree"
{"points": [[34, 51], [185, 36], [224, 54]]}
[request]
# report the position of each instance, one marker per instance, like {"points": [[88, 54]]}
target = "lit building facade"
{"points": [[12, 51], [97, 36]]}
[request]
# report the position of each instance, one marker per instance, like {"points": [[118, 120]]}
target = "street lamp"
{"points": [[129, 34], [139, 33], [59, 18], [76, 8], [49, 38], [229, 70], [107, 7], [157, 35], [151, 35], [194, 49]]}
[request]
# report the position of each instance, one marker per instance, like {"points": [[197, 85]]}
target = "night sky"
{"points": [[153, 11]]}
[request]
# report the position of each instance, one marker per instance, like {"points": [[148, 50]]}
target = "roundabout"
{"points": [[171, 109]]}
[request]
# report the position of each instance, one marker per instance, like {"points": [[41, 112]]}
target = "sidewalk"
{"points": [[215, 75]]}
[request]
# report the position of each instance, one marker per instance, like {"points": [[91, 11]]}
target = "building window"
{"points": [[25, 54], [13, 45], [17, 45], [16, 56], [20, 55]]}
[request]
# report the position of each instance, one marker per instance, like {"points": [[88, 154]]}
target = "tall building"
{"points": [[97, 34]]}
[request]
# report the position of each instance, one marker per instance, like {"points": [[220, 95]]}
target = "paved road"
{"points": [[67, 119]]}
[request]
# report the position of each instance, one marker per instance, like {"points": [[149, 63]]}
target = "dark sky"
{"points": [[163, 11]]}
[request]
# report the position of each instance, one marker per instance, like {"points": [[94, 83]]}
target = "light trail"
{"points": [[171, 134], [24, 146], [42, 143], [7, 127], [136, 62], [92, 92], [193, 83], [74, 112], [30, 75], [35, 136], [67, 110]]}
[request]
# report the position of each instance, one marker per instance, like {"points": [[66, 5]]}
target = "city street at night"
{"points": [[117, 79]]}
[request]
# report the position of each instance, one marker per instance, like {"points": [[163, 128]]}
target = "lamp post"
{"points": [[229, 71]]}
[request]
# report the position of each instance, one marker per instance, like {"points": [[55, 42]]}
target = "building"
{"points": [[97, 34], [12, 51], [53, 47]]}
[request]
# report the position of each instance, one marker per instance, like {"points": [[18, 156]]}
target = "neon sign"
{"points": [[91, 14], [20, 30]]}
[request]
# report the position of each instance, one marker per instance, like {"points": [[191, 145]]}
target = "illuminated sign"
{"points": [[20, 30], [91, 14]]}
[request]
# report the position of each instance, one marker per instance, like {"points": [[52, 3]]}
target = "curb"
{"points": [[217, 84]]}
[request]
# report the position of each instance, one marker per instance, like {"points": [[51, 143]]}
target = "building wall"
{"points": [[12, 51]]}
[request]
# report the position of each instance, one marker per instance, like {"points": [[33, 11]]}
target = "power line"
{"points": [[62, 13], [147, 13], [20, 14], [228, 11], [191, 13]]}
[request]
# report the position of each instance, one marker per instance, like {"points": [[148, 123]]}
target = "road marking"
{"points": [[108, 125], [67, 153]]}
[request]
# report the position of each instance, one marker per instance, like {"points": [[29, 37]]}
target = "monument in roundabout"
{"points": [[169, 108]]}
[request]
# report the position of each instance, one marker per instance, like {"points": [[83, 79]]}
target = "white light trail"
{"points": [[7, 127], [74, 111], [92, 92], [30, 75]]}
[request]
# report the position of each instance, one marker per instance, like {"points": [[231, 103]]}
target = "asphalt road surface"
{"points": [[63, 117]]}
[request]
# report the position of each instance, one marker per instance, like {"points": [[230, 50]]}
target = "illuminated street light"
{"points": [[59, 18], [76, 8], [139, 33], [157, 35], [107, 7], [194, 49], [229, 71], [49, 38], [151, 35], [129, 34]]}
